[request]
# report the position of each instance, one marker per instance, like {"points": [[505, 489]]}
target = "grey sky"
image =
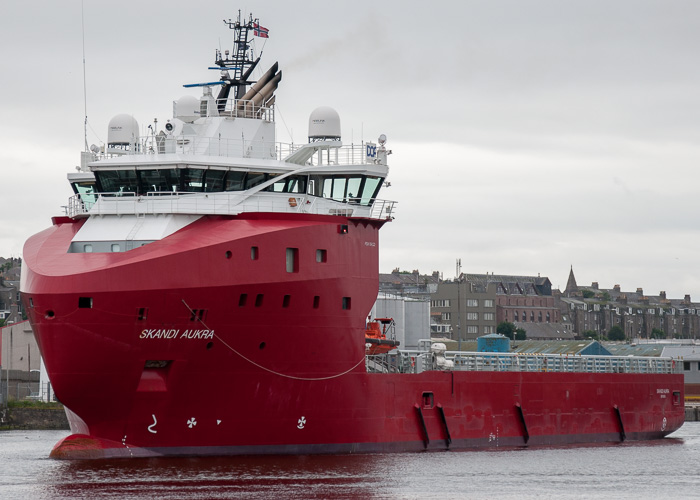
{"points": [[528, 136]]}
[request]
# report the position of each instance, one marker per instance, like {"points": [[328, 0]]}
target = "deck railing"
{"points": [[227, 203], [416, 361], [195, 145]]}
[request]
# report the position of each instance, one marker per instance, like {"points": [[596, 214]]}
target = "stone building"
{"points": [[461, 309], [526, 299], [591, 308], [409, 284], [488, 299]]}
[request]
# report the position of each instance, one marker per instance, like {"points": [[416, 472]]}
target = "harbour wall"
{"points": [[33, 418], [692, 413]]}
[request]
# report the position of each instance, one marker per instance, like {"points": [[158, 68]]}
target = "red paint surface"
{"points": [[275, 379]]}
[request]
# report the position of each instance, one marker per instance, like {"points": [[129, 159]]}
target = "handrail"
{"points": [[193, 145], [220, 203], [415, 361]]}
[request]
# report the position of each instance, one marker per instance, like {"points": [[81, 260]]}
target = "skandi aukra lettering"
{"points": [[165, 333]]}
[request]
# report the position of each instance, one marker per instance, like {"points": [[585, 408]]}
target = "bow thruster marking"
{"points": [[151, 427]]}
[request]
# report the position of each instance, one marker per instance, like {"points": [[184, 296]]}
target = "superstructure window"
{"points": [[235, 181], [255, 178], [346, 188], [193, 179], [117, 181], [370, 189], [339, 185], [86, 190], [159, 180], [214, 181], [295, 184]]}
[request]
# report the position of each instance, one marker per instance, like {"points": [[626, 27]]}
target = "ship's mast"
{"points": [[239, 62]]}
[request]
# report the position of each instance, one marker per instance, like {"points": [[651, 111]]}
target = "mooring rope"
{"points": [[263, 367]]}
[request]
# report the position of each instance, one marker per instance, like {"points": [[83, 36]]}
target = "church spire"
{"points": [[571, 286]]}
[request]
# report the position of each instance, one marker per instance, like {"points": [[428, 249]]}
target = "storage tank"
{"points": [[494, 342]]}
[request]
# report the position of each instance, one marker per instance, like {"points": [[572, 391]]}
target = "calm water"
{"points": [[667, 468]]}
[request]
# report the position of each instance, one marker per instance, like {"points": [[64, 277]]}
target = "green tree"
{"points": [[605, 296], [658, 333], [616, 333], [506, 328], [520, 334], [591, 334], [588, 294]]}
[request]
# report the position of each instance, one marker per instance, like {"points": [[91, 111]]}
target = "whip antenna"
{"points": [[82, 21]]}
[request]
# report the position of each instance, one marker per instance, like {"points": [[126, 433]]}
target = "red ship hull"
{"points": [[198, 345]]}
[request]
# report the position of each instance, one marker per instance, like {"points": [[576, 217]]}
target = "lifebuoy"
{"points": [[292, 202]]}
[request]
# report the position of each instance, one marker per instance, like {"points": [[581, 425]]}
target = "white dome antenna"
{"points": [[187, 109], [324, 125], [123, 133]]}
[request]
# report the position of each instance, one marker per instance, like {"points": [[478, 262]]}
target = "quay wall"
{"points": [[34, 419], [692, 413]]}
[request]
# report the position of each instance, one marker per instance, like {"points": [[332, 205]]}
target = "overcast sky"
{"points": [[528, 136]]}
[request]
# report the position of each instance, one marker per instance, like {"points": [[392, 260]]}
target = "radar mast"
{"points": [[240, 62]]}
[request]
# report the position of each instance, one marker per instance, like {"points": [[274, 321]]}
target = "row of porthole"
{"points": [[321, 254], [243, 300], [199, 314]]}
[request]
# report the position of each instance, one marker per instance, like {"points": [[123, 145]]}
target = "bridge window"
{"points": [[235, 181], [370, 189], [193, 179], [293, 184], [214, 181], [255, 178], [117, 181], [157, 180], [353, 189]]}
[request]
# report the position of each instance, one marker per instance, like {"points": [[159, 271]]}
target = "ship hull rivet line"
{"points": [[448, 437], [521, 414], [426, 439], [623, 436]]}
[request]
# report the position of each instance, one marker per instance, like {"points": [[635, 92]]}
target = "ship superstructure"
{"points": [[208, 288]]}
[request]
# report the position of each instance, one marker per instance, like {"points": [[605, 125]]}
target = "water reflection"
{"points": [[631, 470], [353, 476]]}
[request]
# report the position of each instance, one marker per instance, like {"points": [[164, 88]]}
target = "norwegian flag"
{"points": [[260, 31]]}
